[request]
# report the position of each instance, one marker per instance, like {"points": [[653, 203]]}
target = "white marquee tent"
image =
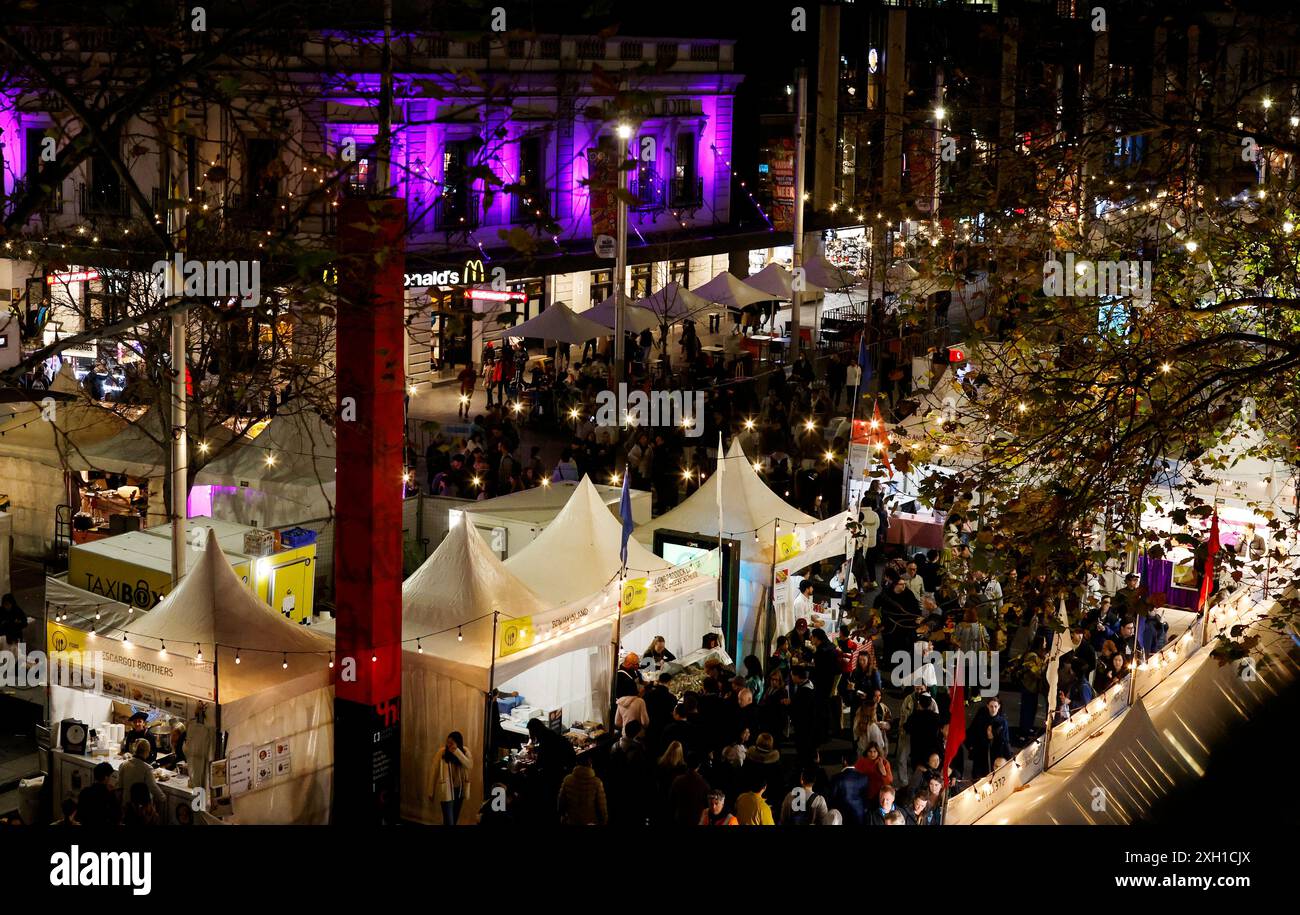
{"points": [[634, 318], [578, 555], [778, 282], [729, 290], [282, 476], [775, 539], [558, 322], [673, 302], [213, 612]]}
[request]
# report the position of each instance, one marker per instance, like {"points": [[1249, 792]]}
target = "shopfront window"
{"points": [[679, 272], [602, 285], [640, 281]]}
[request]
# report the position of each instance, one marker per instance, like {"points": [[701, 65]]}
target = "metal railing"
{"points": [[686, 192], [103, 201], [456, 212]]}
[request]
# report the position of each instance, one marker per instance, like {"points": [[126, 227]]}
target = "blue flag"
{"points": [[625, 512], [864, 360]]}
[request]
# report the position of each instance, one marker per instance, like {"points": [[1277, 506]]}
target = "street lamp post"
{"points": [[624, 133], [800, 143]]}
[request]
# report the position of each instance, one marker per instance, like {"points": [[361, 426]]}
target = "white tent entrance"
{"points": [[775, 540], [212, 640]]}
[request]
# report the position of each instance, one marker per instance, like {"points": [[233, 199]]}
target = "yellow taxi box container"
{"points": [[135, 568]]}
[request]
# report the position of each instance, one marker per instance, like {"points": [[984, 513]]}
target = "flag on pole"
{"points": [[625, 512], [1062, 644], [956, 727], [1207, 574]]}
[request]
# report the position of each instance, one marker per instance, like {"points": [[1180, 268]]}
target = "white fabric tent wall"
{"points": [[298, 483], [748, 504], [212, 608], [1165, 740], [578, 553]]}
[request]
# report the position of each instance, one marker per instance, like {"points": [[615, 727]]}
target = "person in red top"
{"points": [[849, 648], [467, 379], [877, 770]]}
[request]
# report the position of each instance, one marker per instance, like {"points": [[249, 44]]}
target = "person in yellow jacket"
{"points": [[451, 778], [752, 808]]}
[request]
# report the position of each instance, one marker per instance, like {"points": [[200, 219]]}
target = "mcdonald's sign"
{"points": [[474, 272]]}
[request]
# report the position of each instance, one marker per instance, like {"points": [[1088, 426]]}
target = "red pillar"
{"points": [[370, 379]]}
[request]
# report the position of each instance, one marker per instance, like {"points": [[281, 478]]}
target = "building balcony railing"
{"points": [[530, 206], [456, 212], [99, 200], [686, 192], [51, 204]]}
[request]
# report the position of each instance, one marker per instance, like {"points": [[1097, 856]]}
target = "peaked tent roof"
{"points": [[578, 553], [637, 319], [821, 272], [558, 322], [778, 282], [301, 450], [541, 503], [462, 581], [674, 301], [214, 609], [729, 290], [748, 504]]}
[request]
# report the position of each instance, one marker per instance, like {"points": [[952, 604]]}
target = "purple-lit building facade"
{"points": [[495, 169]]}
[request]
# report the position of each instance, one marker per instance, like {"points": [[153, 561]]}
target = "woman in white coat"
{"points": [[451, 777]]}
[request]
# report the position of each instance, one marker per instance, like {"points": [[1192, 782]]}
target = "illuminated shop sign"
{"points": [[472, 272]]}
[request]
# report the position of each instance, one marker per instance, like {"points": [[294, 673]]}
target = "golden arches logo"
{"points": [[474, 271]]}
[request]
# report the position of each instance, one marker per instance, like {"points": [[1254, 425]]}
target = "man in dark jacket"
{"points": [[807, 715], [825, 677], [99, 803], [849, 796], [684, 731], [876, 815], [689, 794], [659, 704], [989, 738]]}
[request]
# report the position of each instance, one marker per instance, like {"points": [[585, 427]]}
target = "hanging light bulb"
{"points": [[198, 652], [285, 663], [331, 660], [460, 635], [162, 652], [236, 655], [374, 658], [419, 649], [125, 640]]}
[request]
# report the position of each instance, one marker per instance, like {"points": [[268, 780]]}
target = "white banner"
{"points": [[978, 799]]}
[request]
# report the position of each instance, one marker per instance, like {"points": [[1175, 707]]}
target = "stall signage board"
{"points": [[133, 674], [240, 770]]}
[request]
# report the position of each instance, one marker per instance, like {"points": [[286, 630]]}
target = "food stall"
{"points": [[775, 539], [510, 522], [253, 690], [135, 568]]}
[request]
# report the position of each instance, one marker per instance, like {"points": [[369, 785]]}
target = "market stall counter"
{"points": [[73, 772]]}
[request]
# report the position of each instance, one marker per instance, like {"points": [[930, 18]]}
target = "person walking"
{"points": [[451, 777], [582, 796]]}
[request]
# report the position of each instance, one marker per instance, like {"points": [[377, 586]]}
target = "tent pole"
{"points": [[491, 698], [618, 637]]}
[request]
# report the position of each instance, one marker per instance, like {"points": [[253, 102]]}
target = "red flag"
{"points": [[1207, 574], [956, 728]]}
